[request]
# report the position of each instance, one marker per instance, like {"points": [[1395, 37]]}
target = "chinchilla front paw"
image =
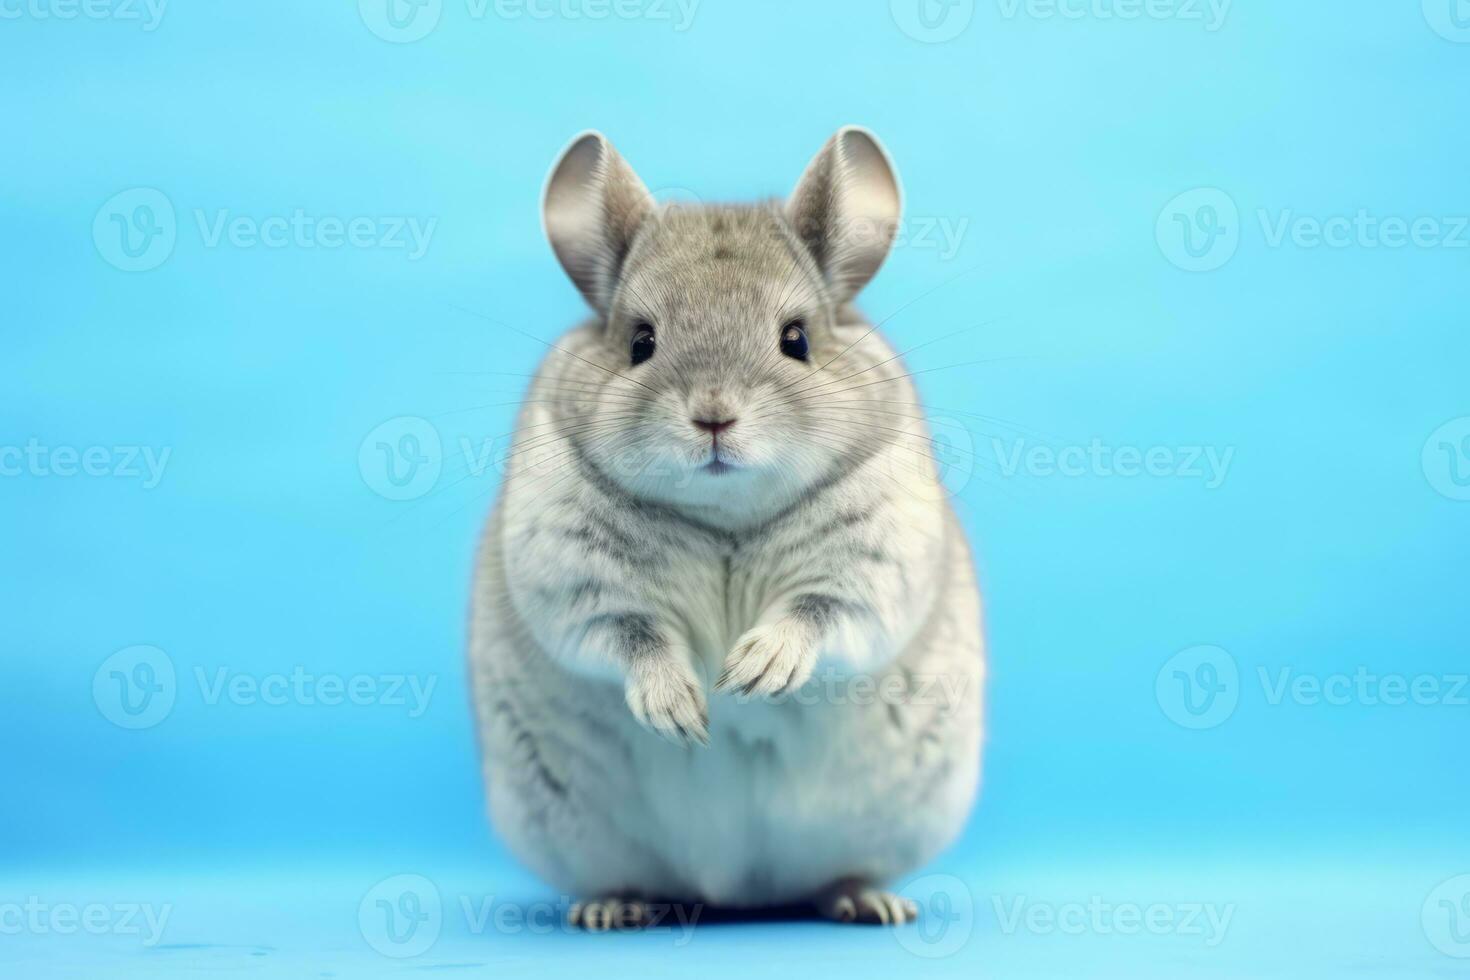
{"points": [[773, 659], [666, 698]]}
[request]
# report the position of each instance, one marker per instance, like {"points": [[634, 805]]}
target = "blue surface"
{"points": [[1124, 216]]}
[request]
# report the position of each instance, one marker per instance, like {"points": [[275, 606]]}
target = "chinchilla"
{"points": [[725, 641]]}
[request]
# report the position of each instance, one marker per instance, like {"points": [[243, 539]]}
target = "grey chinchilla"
{"points": [[726, 642]]}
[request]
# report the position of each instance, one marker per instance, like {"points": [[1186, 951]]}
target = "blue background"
{"points": [[1055, 145]]}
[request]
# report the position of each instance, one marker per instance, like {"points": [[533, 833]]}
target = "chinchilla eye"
{"points": [[793, 340], [642, 347]]}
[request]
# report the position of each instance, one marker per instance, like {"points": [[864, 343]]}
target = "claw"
{"points": [[664, 699], [602, 915], [768, 660], [854, 901]]}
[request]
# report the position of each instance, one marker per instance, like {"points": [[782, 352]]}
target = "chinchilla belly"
{"points": [[851, 776]]}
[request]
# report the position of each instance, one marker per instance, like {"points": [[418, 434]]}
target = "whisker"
{"points": [[903, 353], [922, 296], [552, 346], [914, 374], [946, 410], [867, 426]]}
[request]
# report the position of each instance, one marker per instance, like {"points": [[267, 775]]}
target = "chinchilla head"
{"points": [[723, 334]]}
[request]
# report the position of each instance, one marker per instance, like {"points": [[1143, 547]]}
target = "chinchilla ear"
{"points": [[593, 205], [846, 208]]}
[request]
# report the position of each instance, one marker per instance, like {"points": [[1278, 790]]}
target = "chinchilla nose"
{"points": [[713, 426], [711, 410]]}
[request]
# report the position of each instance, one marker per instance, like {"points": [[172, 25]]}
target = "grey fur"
{"points": [[619, 575]]}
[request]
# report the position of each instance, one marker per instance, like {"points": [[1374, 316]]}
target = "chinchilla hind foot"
{"points": [[854, 900]]}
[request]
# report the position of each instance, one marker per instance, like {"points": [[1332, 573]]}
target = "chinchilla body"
{"points": [[726, 636]]}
